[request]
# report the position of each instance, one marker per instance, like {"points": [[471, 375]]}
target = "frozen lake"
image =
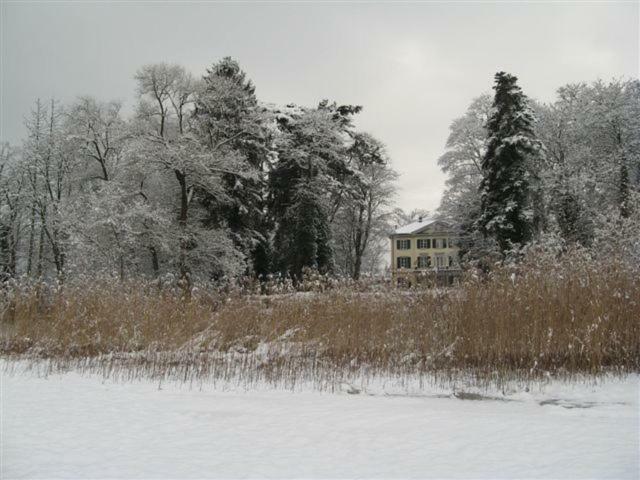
{"points": [[70, 426]]}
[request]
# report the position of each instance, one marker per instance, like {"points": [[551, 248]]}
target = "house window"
{"points": [[437, 243], [403, 244], [440, 261], [424, 243], [451, 261], [404, 262], [444, 243], [424, 262]]}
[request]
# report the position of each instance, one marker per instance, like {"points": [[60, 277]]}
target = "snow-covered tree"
{"points": [[306, 183], [12, 208], [612, 124], [97, 132], [190, 169], [565, 176], [164, 91], [585, 177], [506, 207], [48, 164], [99, 213], [591, 135], [462, 162], [227, 114], [360, 227]]}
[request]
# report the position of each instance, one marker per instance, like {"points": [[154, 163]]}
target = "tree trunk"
{"points": [[32, 237], [41, 248], [155, 264], [358, 248], [182, 222], [5, 252]]}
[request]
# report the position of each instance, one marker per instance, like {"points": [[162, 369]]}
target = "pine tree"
{"points": [[227, 115], [574, 225], [303, 237], [505, 188], [310, 173]]}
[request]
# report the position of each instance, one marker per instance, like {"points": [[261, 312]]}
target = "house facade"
{"points": [[424, 251]]}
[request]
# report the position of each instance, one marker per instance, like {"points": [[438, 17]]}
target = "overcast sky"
{"points": [[413, 66]]}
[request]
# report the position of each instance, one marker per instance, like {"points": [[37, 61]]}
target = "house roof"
{"points": [[419, 226], [414, 227]]}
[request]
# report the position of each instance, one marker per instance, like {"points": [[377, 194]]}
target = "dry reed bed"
{"points": [[571, 318]]}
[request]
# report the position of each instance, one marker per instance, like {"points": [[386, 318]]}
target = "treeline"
{"points": [[559, 175], [202, 181]]}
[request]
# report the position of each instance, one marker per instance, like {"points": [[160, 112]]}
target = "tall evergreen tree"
{"points": [[302, 239], [228, 116], [505, 188], [306, 180]]}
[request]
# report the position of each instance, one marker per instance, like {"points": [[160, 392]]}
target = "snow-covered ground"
{"points": [[70, 426]]}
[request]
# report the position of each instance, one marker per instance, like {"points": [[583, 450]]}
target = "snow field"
{"points": [[72, 426]]}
